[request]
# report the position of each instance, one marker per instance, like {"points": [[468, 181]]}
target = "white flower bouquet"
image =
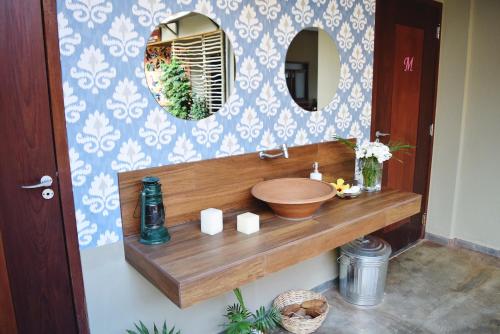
{"points": [[377, 150], [371, 156]]}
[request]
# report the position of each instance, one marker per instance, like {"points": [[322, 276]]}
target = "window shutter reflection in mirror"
{"points": [[190, 67], [203, 59]]}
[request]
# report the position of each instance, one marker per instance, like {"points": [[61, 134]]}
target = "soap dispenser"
{"points": [[316, 175]]}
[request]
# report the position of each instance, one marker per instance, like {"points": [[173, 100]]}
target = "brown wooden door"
{"points": [[7, 315], [38, 284], [405, 83]]}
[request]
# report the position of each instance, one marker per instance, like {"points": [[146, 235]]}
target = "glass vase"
{"points": [[371, 174]]}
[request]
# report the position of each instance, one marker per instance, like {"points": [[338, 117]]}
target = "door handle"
{"points": [[379, 134], [45, 181]]}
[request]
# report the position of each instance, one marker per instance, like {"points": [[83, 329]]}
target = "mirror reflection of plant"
{"points": [[242, 321], [176, 88], [199, 108]]}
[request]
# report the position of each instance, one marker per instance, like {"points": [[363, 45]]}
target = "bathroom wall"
{"points": [[114, 124], [117, 295], [449, 110], [477, 210], [464, 188]]}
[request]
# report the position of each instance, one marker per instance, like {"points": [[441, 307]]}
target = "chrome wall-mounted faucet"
{"points": [[284, 153]]}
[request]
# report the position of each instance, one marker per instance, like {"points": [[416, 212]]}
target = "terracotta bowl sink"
{"points": [[293, 198]]}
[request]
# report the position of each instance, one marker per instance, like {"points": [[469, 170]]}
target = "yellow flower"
{"points": [[341, 185]]}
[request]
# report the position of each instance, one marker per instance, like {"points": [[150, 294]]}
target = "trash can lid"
{"points": [[368, 246]]}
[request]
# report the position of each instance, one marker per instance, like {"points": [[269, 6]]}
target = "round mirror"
{"points": [[312, 69], [189, 66]]}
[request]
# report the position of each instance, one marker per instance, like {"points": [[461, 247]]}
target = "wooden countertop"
{"points": [[193, 266]]}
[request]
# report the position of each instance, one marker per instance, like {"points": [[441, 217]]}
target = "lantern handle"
{"points": [[143, 212]]}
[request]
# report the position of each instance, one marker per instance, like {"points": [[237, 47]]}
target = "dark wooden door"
{"points": [[38, 285], [7, 315], [405, 84]]}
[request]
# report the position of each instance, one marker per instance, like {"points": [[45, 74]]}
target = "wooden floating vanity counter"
{"points": [[193, 266]]}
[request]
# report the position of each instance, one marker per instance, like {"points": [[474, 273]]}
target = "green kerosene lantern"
{"points": [[153, 230]]}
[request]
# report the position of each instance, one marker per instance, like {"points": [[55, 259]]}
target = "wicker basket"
{"points": [[296, 325]]}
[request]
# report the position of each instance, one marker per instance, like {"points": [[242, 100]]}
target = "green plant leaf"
{"points": [[142, 329], [139, 329], [236, 312], [398, 146], [345, 141], [266, 320], [239, 297], [238, 316], [239, 327], [242, 321]]}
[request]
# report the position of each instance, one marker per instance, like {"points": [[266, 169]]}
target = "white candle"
{"points": [[247, 223], [211, 221]]}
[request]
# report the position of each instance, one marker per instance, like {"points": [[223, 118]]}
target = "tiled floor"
{"points": [[430, 289]]}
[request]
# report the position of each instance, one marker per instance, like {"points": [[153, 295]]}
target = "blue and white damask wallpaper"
{"points": [[114, 123]]}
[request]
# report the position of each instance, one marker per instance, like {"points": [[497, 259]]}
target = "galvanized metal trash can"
{"points": [[363, 270]]}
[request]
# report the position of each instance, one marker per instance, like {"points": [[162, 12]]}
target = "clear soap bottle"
{"points": [[315, 174]]}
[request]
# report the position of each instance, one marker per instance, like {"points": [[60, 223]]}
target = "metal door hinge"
{"points": [[438, 32], [431, 130], [424, 219]]}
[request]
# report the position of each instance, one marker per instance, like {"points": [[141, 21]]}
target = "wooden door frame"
{"points": [[378, 69], [58, 117]]}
